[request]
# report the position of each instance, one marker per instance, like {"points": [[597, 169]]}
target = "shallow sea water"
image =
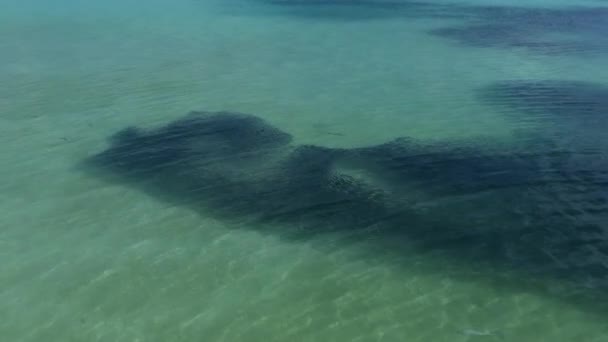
{"points": [[484, 258]]}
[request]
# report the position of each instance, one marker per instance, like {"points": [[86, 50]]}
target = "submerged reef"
{"points": [[567, 30], [492, 210], [562, 98]]}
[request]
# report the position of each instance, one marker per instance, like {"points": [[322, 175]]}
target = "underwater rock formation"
{"points": [[563, 98], [564, 30], [548, 31], [236, 164], [491, 210]]}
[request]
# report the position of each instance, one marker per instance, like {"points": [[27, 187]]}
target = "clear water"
{"points": [[500, 198]]}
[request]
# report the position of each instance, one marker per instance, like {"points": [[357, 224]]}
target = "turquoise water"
{"points": [[492, 218]]}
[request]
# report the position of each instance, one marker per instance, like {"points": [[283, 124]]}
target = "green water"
{"points": [[87, 260]]}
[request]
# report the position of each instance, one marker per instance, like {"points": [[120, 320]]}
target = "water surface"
{"points": [[479, 126]]}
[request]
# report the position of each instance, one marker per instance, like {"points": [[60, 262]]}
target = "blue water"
{"points": [[355, 170]]}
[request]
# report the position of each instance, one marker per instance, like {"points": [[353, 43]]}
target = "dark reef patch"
{"points": [[520, 211], [571, 114], [565, 99], [546, 31], [549, 31], [235, 165], [572, 117]]}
